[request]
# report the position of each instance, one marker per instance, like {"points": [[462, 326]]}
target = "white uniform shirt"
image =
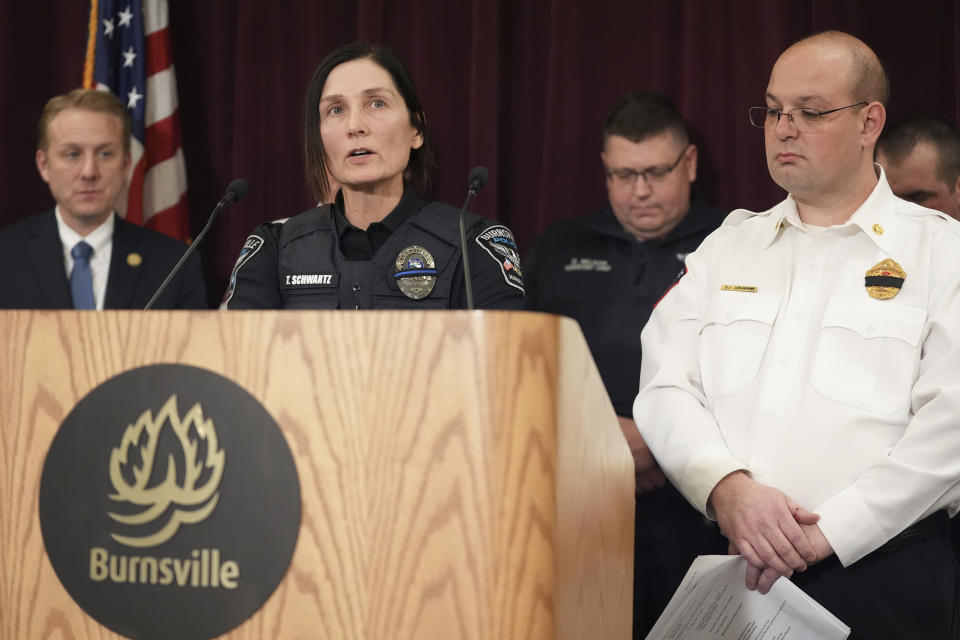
{"points": [[101, 239], [847, 403]]}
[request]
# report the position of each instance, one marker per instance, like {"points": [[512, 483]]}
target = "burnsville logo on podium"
{"points": [[189, 502], [169, 503]]}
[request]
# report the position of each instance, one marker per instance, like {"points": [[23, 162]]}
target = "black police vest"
{"points": [[315, 275]]}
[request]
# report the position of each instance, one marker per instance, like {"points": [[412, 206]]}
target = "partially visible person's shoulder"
{"points": [[743, 229], [923, 227], [317, 219], [931, 219], [440, 216], [488, 232], [570, 227], [148, 237], [26, 226], [930, 237], [570, 234], [443, 220], [497, 241], [738, 217], [305, 219], [34, 238]]}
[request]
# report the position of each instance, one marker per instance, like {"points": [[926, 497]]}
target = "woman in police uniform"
{"points": [[376, 245]]}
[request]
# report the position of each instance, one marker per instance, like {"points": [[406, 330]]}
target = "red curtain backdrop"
{"points": [[521, 87]]}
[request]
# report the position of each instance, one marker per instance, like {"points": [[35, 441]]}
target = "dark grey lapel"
{"points": [[45, 253], [124, 278]]}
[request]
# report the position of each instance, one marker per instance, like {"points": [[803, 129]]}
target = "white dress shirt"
{"points": [[101, 239], [770, 356]]}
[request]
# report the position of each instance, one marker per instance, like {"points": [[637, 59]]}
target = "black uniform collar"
{"points": [[357, 244], [701, 217]]}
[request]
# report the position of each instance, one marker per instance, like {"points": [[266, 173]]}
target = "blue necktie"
{"points": [[81, 279]]}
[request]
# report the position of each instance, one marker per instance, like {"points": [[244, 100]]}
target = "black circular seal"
{"points": [[169, 503]]}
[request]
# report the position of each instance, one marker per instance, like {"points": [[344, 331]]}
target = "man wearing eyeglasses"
{"points": [[607, 271], [801, 383]]}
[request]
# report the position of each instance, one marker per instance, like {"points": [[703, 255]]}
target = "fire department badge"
{"points": [[884, 279]]}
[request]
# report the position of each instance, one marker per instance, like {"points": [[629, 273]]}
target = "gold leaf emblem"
{"points": [[176, 497], [884, 279]]}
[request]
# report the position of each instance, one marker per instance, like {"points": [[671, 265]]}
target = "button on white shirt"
{"points": [[101, 239], [847, 403]]}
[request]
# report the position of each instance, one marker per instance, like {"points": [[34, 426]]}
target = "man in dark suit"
{"points": [[81, 254]]}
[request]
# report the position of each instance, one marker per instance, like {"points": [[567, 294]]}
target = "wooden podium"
{"points": [[462, 474]]}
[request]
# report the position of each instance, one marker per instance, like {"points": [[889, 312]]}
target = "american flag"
{"points": [[129, 54]]}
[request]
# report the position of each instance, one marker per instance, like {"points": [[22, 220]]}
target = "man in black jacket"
{"points": [[608, 271], [81, 254]]}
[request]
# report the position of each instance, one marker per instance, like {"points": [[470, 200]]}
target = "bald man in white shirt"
{"points": [[801, 382]]}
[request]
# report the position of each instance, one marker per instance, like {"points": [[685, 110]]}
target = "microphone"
{"points": [[477, 180], [235, 191], [237, 188]]}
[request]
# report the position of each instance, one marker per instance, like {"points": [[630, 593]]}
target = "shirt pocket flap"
{"points": [[878, 319], [734, 334], [725, 309]]}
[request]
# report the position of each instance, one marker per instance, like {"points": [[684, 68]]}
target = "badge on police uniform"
{"points": [[884, 279], [415, 272]]}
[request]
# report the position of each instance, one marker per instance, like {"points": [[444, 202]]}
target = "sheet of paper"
{"points": [[713, 603]]}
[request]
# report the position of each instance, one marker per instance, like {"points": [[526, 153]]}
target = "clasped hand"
{"points": [[772, 532]]}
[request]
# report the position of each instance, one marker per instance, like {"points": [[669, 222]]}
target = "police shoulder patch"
{"points": [[250, 248], [497, 240]]}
